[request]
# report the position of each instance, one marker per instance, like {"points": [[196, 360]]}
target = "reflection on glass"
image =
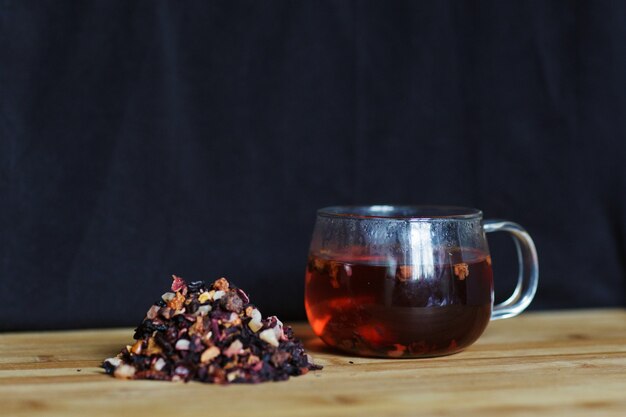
{"points": [[421, 256]]}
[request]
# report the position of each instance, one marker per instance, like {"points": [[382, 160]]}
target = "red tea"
{"points": [[369, 307]]}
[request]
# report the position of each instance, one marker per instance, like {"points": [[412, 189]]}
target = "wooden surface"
{"points": [[538, 364]]}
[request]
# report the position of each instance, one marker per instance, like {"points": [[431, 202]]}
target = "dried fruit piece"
{"points": [[461, 271], [255, 323], [404, 273], [115, 362], [137, 347], [182, 344], [177, 302], [334, 274], [318, 264], [235, 348], [153, 348], [204, 310], [221, 284], [124, 371], [210, 354], [268, 336], [153, 312], [159, 364], [398, 351]]}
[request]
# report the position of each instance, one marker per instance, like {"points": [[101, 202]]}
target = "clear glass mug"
{"points": [[408, 281]]}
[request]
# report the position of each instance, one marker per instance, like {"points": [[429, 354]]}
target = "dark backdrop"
{"points": [[141, 139]]}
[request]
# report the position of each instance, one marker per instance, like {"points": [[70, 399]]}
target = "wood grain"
{"points": [[539, 364]]}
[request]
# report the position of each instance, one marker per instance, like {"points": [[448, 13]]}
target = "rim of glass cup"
{"points": [[402, 212]]}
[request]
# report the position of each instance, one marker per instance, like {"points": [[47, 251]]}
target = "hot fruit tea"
{"points": [[374, 307]]}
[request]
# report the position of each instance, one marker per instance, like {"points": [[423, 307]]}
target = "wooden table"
{"points": [[567, 363]]}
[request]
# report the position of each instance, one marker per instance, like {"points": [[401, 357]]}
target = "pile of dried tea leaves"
{"points": [[210, 334]]}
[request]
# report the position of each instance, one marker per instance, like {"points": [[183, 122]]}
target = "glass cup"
{"points": [[408, 281]]}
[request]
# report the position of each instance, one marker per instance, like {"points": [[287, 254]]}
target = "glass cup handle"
{"points": [[528, 269]]}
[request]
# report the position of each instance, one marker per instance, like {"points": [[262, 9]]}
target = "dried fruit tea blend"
{"points": [[210, 334]]}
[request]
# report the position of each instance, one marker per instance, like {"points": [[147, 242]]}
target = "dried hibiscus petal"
{"points": [[178, 284], [244, 297], [210, 333]]}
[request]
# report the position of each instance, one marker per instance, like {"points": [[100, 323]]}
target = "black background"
{"points": [[141, 139]]}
